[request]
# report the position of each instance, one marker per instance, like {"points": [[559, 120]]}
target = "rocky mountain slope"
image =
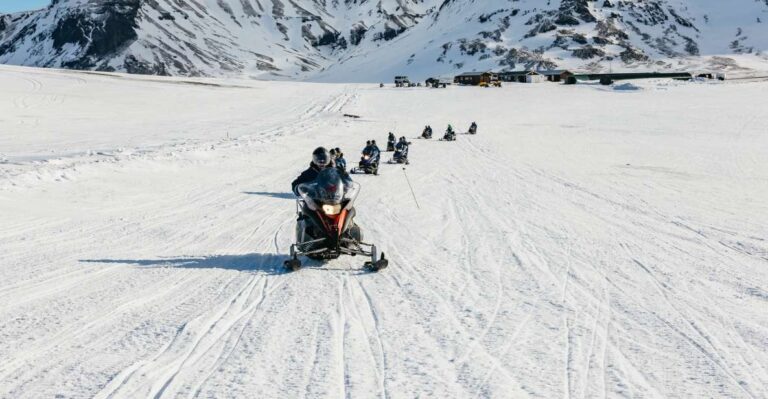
{"points": [[367, 40]]}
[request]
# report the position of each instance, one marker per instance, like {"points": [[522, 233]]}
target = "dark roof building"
{"points": [[475, 78], [557, 75], [526, 76], [608, 78]]}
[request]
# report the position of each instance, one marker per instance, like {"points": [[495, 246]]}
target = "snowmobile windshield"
{"points": [[328, 188]]}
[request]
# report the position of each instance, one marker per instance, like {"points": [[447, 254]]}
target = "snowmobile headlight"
{"points": [[366, 157], [332, 209]]}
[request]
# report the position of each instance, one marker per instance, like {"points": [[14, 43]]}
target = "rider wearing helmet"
{"points": [[341, 163], [321, 159]]}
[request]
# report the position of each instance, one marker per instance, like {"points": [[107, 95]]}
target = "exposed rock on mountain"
{"points": [[371, 40]]}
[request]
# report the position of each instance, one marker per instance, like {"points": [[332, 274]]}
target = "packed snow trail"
{"points": [[613, 248]]}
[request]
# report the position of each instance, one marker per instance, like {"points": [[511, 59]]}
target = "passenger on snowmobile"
{"points": [[473, 128], [391, 142], [427, 133], [341, 163], [321, 159], [450, 135], [375, 147], [325, 227]]}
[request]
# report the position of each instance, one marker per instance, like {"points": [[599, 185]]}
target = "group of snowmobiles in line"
{"points": [[325, 226], [450, 133]]}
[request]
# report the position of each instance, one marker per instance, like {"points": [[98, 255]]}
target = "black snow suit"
{"points": [[309, 175]]}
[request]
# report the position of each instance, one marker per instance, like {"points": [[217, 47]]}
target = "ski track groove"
{"points": [[382, 368], [357, 315], [226, 354], [342, 338], [119, 381], [714, 356], [178, 365], [75, 332]]}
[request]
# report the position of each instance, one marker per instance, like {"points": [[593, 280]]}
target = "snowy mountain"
{"points": [[360, 40]]}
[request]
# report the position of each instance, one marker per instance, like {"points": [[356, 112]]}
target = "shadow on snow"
{"points": [[263, 263], [256, 263], [272, 195]]}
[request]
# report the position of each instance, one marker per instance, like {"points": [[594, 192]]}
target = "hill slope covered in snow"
{"points": [[371, 41]]}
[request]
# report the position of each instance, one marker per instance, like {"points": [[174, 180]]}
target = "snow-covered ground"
{"points": [[588, 242]]}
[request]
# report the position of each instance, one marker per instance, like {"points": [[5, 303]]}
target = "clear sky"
{"points": [[7, 6]]}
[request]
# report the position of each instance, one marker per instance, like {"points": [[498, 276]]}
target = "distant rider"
{"points": [[402, 144], [341, 163]]}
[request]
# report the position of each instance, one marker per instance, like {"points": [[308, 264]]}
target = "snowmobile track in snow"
{"points": [[590, 256]]}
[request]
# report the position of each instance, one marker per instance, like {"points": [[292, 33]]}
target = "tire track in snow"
{"points": [[71, 334], [341, 331], [381, 372], [714, 356], [238, 306], [192, 341]]}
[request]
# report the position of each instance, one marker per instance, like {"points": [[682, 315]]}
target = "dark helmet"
{"points": [[373, 142], [321, 157], [338, 152], [368, 142], [333, 153]]}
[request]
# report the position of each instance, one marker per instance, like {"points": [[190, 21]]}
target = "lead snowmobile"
{"points": [[325, 227]]}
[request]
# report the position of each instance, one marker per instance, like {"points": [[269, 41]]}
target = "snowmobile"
{"points": [[427, 133], [325, 227], [391, 143], [401, 154], [450, 135], [473, 128], [369, 163]]}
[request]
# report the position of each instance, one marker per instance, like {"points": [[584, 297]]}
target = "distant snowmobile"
{"points": [[391, 142], [473, 128], [401, 152], [369, 162], [427, 133], [450, 134], [325, 228]]}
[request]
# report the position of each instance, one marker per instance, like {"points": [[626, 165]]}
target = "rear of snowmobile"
{"points": [[326, 228]]}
